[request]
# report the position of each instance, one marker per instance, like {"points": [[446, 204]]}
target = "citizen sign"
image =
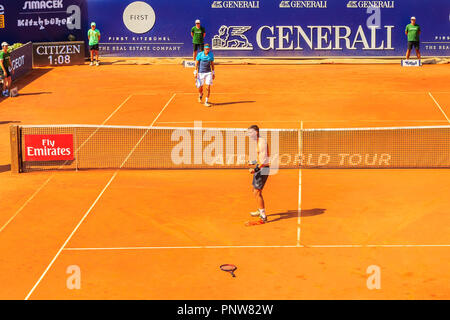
{"points": [[312, 37]]}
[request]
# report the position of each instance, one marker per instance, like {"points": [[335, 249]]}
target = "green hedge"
{"points": [[14, 46]]}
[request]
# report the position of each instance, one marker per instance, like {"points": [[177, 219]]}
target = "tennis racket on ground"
{"points": [[229, 268]]}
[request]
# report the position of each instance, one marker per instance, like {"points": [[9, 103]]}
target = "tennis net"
{"points": [[78, 147]]}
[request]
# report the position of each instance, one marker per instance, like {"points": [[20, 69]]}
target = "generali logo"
{"points": [[227, 4], [303, 4], [371, 4], [232, 38]]}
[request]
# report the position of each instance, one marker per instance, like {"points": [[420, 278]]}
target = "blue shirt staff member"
{"points": [[412, 31], [204, 73]]}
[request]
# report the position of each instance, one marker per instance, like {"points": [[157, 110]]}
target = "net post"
{"points": [[16, 161]]}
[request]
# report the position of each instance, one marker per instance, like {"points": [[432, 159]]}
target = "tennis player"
{"points": [[260, 172], [94, 39], [6, 70], [412, 31], [198, 37], [204, 73]]}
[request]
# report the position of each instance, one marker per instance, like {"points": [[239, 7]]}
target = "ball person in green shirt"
{"points": [[198, 37], [5, 69], [413, 32], [94, 39]]}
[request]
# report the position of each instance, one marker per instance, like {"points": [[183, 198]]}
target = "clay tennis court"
{"points": [[162, 234]]}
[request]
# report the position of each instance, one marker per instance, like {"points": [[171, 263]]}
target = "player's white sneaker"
{"points": [[97, 63], [91, 64], [255, 214], [200, 99], [207, 104]]}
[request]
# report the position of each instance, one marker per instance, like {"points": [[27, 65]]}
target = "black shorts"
{"points": [[3, 76], [412, 44], [94, 47], [260, 178], [198, 47]]}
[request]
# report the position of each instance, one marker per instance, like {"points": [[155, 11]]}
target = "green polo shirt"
{"points": [[198, 35], [413, 32]]}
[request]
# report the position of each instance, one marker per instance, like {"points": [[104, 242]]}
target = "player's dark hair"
{"points": [[255, 127]]}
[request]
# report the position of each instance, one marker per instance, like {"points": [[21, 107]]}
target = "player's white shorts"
{"points": [[204, 78]]}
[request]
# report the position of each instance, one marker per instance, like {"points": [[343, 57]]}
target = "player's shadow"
{"points": [[34, 93], [229, 103], [8, 122], [5, 167], [294, 214]]}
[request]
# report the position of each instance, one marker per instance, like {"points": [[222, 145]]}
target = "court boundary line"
{"points": [[439, 106], [259, 246], [54, 173], [296, 121], [94, 203], [299, 204], [291, 92]]}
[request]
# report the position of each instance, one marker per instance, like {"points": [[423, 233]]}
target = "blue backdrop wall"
{"points": [[235, 28]]}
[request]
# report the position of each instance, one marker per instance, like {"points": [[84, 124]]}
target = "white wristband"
{"points": [[195, 71]]}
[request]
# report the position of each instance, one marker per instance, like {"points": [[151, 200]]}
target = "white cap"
{"points": [[5, 44], [197, 21], [413, 18]]}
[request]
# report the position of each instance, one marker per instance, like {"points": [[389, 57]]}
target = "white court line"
{"points": [[54, 173], [300, 92], [343, 246], [299, 205], [95, 202], [296, 121], [439, 106]]}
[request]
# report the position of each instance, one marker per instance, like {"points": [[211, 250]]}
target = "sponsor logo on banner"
{"points": [[297, 38], [411, 63], [139, 17], [48, 147], [49, 13], [371, 4], [2, 17], [232, 38], [304, 4], [227, 4]]}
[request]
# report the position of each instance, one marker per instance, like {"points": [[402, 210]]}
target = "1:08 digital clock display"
{"points": [[58, 53]]}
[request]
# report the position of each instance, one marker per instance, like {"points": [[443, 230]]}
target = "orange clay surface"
{"points": [[164, 234]]}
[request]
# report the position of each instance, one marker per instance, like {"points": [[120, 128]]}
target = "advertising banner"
{"points": [[48, 147], [22, 60], [58, 53], [271, 28], [22, 21], [244, 28]]}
